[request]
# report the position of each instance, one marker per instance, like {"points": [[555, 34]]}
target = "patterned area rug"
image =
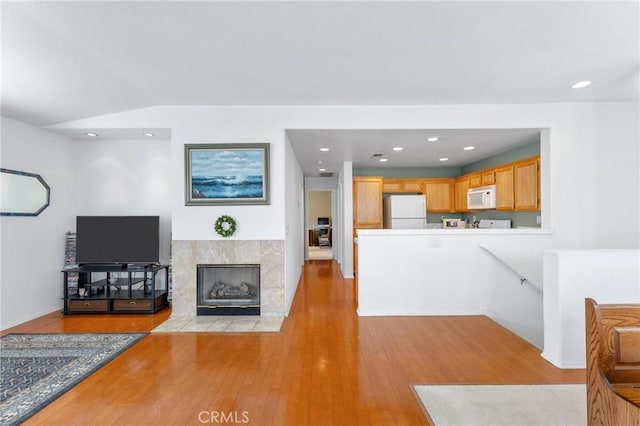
{"points": [[505, 405], [38, 368]]}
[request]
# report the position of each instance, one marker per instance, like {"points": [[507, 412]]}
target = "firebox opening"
{"points": [[228, 289]]}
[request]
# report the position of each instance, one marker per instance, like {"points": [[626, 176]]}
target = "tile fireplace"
{"points": [[189, 254]]}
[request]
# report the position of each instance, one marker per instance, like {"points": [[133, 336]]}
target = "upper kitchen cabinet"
{"points": [[485, 177], [367, 202], [392, 185], [475, 180], [414, 186], [504, 188], [526, 178], [403, 185], [461, 188], [439, 194], [488, 177]]}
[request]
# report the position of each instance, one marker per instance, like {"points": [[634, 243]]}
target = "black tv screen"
{"points": [[117, 239]]}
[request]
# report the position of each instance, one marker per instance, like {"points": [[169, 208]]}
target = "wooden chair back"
{"points": [[613, 364]]}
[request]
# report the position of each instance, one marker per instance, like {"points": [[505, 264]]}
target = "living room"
{"points": [[592, 149], [567, 154]]}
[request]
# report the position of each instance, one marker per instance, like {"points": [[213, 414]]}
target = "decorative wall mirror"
{"points": [[22, 193]]}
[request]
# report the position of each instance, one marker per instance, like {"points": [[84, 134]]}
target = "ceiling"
{"points": [[365, 147], [63, 61]]}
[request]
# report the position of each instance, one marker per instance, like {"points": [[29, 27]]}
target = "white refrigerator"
{"points": [[405, 212]]}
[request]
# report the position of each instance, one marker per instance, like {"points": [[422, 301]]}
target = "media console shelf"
{"points": [[105, 290]]}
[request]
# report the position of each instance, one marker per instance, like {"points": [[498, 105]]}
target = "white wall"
{"points": [[319, 205], [227, 125], [86, 178], [446, 272], [294, 225], [126, 177], [32, 248], [592, 150], [345, 201], [570, 276], [580, 138], [617, 177]]}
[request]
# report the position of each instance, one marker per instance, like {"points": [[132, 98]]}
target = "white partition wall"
{"points": [[570, 276], [446, 272]]}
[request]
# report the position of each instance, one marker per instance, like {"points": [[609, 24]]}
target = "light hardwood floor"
{"points": [[327, 366]]}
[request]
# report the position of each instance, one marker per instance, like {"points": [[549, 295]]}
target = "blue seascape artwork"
{"points": [[227, 174]]}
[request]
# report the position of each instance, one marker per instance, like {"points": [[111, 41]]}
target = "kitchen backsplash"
{"points": [[528, 219]]}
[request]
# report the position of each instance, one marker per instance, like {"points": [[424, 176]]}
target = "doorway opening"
{"points": [[320, 224]]}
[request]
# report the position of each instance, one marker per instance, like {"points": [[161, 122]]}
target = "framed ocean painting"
{"points": [[224, 174]]}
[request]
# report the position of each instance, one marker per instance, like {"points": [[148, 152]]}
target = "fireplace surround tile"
{"points": [[225, 324], [242, 325], [187, 254]]}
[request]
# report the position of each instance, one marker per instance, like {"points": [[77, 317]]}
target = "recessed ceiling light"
{"points": [[383, 160], [397, 148], [319, 162], [324, 149], [93, 135], [444, 159], [323, 170], [433, 139], [581, 84], [469, 148], [148, 134]]}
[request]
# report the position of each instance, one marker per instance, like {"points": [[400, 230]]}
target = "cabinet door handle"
{"points": [[87, 303], [132, 303]]}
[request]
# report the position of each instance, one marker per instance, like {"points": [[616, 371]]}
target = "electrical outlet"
{"points": [[538, 220]]}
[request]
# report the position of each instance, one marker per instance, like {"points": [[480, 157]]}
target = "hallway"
{"points": [[326, 366], [320, 253]]}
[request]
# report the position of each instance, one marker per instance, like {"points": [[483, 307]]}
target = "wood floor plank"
{"points": [[327, 366]]}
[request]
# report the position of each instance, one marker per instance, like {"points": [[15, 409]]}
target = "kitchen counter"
{"points": [[452, 232]]}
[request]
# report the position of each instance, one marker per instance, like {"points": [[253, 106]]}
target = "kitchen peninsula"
{"points": [[453, 272]]}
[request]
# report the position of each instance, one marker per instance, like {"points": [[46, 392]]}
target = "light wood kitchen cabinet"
{"points": [[439, 194], [461, 188], [517, 189], [414, 186], [504, 188], [482, 178], [488, 177], [403, 185], [392, 185], [367, 202], [526, 182], [475, 180]]}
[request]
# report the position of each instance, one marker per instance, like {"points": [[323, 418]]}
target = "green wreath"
{"points": [[225, 226]]}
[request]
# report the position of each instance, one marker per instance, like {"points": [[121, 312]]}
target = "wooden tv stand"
{"points": [[105, 290]]}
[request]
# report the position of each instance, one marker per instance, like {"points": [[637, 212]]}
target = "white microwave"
{"points": [[483, 197]]}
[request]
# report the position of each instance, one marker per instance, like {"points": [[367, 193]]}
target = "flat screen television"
{"points": [[323, 221], [117, 240]]}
